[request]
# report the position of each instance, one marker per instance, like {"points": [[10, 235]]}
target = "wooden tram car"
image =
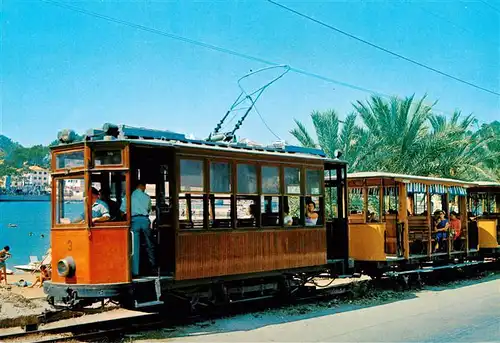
{"points": [[391, 222], [484, 216], [210, 247]]}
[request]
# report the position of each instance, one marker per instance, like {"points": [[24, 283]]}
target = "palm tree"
{"points": [[393, 127], [331, 136], [404, 136]]}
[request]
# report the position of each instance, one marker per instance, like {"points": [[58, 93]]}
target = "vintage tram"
{"points": [[231, 221], [392, 222]]}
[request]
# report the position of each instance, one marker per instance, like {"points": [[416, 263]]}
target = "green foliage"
{"points": [[405, 136], [14, 156]]}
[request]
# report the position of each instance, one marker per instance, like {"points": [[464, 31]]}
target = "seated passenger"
{"points": [[287, 220], [371, 217], [441, 227], [100, 210], [455, 225], [311, 215]]}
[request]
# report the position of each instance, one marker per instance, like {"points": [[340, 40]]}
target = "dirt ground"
{"points": [[20, 302]]}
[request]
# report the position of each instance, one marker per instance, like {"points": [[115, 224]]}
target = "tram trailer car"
{"points": [[484, 216], [229, 219], [392, 224]]}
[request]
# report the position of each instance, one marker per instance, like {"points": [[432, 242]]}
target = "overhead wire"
{"points": [[490, 6], [378, 47], [222, 50]]}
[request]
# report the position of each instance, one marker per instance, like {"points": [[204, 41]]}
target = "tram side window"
{"points": [[373, 214], [391, 203], [331, 202], [293, 203], [69, 201], [419, 204], [112, 189], [191, 209], [220, 195], [271, 199], [247, 200], [314, 198]]}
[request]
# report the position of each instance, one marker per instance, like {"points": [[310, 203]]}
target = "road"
{"points": [[468, 312]]}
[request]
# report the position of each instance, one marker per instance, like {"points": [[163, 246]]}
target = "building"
{"points": [[33, 179], [37, 177]]}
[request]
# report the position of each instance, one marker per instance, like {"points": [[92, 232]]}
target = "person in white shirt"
{"points": [[140, 209]]}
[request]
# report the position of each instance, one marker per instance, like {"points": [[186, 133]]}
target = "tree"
{"points": [[394, 127], [330, 136], [405, 136]]}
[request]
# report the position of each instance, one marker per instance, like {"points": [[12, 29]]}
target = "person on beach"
{"points": [[4, 255], [44, 275]]}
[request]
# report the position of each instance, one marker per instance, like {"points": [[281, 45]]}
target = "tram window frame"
{"points": [[376, 209], [55, 202], [58, 154], [108, 150], [123, 218], [287, 196], [320, 222], [244, 223], [215, 195], [188, 195], [266, 194]]}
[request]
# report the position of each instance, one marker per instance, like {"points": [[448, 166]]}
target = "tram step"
{"points": [[148, 304]]}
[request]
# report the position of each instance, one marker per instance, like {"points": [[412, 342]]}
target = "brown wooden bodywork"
{"points": [[102, 251]]}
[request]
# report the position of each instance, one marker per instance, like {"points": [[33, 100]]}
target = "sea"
{"points": [[31, 236]]}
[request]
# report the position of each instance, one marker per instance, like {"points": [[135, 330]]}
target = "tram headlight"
{"points": [[66, 267]]}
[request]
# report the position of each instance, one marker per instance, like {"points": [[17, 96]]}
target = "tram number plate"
{"points": [[70, 245]]}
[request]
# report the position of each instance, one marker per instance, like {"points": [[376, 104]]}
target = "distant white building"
{"points": [[37, 177]]}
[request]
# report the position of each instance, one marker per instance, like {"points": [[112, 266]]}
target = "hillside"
{"points": [[14, 156]]}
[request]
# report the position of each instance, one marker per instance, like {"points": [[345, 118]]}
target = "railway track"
{"points": [[116, 328]]}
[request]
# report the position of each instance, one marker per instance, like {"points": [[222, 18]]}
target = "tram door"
{"points": [[154, 167], [336, 215], [163, 225]]}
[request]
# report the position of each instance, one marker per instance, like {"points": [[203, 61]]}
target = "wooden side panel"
{"points": [[366, 242], [487, 233], [209, 254], [74, 243], [109, 255], [391, 233]]}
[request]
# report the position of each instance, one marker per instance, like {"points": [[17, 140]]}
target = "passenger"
{"points": [[252, 210], [140, 209], [4, 255], [287, 220], [371, 217], [441, 227], [44, 276], [311, 215], [100, 210], [455, 225]]}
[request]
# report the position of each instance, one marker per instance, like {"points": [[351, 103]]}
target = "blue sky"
{"points": [[63, 69]]}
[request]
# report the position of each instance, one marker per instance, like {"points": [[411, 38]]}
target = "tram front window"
{"points": [[72, 159], [111, 187], [69, 201]]}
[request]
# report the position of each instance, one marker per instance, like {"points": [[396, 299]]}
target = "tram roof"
{"points": [[164, 138], [288, 150], [404, 177], [486, 184]]}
